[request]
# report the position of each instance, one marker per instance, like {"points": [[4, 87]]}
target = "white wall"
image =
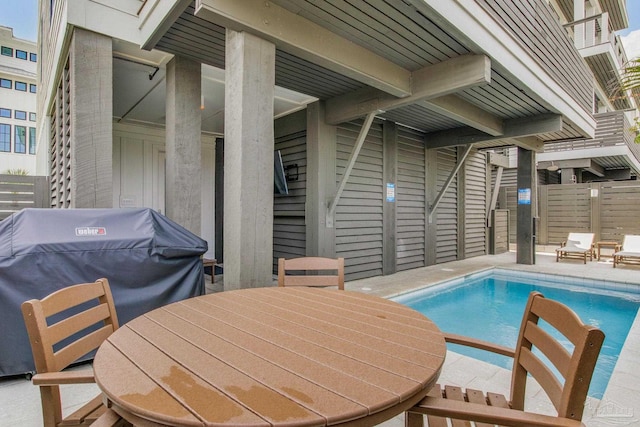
{"points": [[138, 173], [16, 69]]}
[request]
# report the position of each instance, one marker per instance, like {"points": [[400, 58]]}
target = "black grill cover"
{"points": [[149, 261]]}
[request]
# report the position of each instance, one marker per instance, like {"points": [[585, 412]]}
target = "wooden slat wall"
{"points": [[509, 177], [359, 217], [410, 200], [500, 231], [610, 213], [289, 235], [619, 207], [534, 24], [447, 212], [511, 198], [475, 204], [60, 144], [568, 210], [19, 192]]}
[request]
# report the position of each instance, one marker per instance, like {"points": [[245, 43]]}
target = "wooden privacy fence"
{"points": [[18, 192], [608, 209]]}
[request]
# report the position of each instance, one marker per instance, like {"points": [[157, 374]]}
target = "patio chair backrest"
{"points": [[64, 327], [317, 265], [580, 240], [631, 243], [46, 336], [575, 365]]}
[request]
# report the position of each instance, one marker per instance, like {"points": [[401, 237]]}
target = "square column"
{"points": [[91, 121], [248, 161], [525, 238], [183, 188], [390, 207], [321, 182]]}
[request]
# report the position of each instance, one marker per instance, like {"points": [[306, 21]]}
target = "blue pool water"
{"points": [[490, 307]]}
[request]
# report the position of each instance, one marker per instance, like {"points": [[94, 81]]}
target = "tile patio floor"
{"points": [[20, 402]]}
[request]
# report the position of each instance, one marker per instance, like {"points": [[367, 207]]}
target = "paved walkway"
{"points": [[20, 401]]}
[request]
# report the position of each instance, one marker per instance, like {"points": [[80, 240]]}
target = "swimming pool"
{"points": [[489, 306]]}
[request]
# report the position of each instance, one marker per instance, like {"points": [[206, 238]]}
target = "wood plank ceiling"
{"points": [[394, 30]]}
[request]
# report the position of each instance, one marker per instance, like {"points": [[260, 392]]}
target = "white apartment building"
{"points": [[18, 87]]}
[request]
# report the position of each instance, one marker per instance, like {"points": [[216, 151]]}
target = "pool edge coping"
{"points": [[615, 391]]}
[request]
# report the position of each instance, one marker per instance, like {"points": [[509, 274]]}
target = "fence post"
{"points": [[543, 214], [41, 192], [595, 190]]}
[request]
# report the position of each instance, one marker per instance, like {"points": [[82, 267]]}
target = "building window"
{"points": [[7, 51], [32, 88], [5, 83], [21, 139], [5, 112], [5, 138], [32, 140], [33, 57], [32, 117], [21, 54], [20, 115], [21, 86]]}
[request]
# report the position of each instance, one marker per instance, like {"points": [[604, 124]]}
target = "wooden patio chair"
{"points": [[57, 327], [577, 245], [628, 252], [306, 264], [568, 396]]}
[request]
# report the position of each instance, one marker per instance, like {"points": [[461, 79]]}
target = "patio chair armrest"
{"points": [[479, 344], [489, 414], [64, 377]]}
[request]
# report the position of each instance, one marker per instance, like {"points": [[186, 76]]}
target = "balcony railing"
{"points": [[612, 130], [595, 30]]}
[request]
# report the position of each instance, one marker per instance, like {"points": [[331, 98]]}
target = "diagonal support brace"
{"points": [[352, 161], [454, 172], [494, 195]]}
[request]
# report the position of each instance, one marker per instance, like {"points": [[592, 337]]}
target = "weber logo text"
{"points": [[91, 231]]}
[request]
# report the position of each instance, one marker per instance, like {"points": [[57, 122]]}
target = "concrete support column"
{"points": [[183, 190], [91, 128], [579, 30], [321, 182], [526, 206], [248, 158], [431, 192], [462, 206], [390, 173], [566, 177]]}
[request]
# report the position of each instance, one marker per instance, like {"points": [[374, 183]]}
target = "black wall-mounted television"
{"points": [[279, 176]]}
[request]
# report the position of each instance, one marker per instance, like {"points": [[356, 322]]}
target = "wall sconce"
{"points": [[202, 102], [291, 172]]}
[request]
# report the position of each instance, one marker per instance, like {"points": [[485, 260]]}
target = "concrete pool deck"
{"points": [[20, 400], [620, 404]]}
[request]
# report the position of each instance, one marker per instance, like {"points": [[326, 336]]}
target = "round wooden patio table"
{"points": [[271, 356]]}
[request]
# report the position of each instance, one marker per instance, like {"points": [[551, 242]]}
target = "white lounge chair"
{"points": [[629, 252], [577, 245]]}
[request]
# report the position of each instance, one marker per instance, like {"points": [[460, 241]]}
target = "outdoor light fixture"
{"points": [[552, 167], [202, 102]]}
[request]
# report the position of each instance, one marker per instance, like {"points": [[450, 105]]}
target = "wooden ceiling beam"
{"points": [[433, 81], [299, 36], [520, 132], [456, 108]]}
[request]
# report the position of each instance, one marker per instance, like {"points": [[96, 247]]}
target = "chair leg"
{"points": [[51, 405], [413, 419]]}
